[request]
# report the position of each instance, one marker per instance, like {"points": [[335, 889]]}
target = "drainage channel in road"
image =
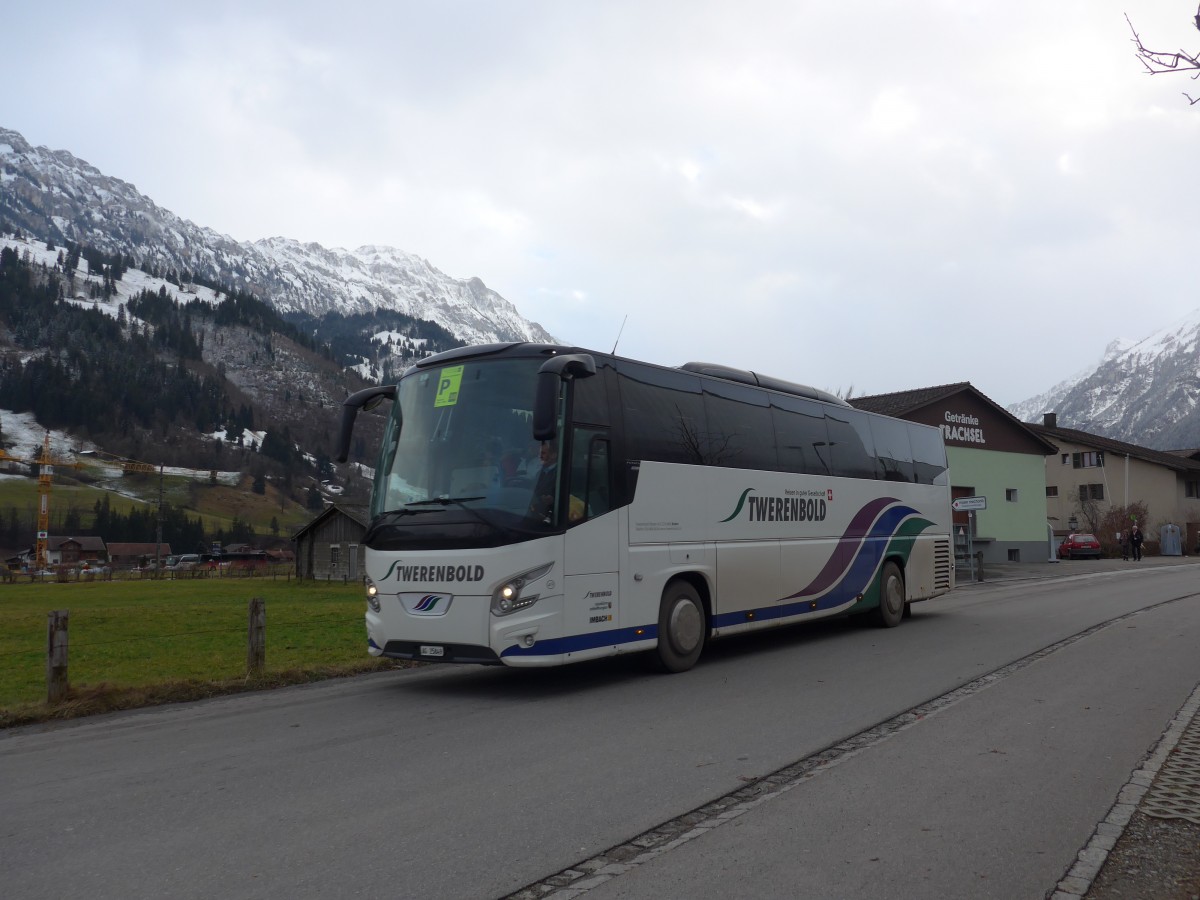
{"points": [[1175, 793], [1165, 786], [580, 878]]}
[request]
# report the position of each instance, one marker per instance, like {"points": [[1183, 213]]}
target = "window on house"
{"points": [[1014, 555], [1052, 490], [1090, 459], [334, 554], [1010, 494], [1191, 488], [1091, 492], [1066, 458]]}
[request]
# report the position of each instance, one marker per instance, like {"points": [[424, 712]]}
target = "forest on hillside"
{"points": [[351, 338], [84, 371], [143, 385]]}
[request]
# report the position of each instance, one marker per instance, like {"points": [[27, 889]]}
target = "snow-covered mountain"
{"points": [[1144, 392], [52, 194]]}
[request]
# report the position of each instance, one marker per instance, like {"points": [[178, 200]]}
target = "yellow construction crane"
{"points": [[46, 465], [128, 466]]}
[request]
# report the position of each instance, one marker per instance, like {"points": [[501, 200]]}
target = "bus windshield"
{"points": [[460, 435]]}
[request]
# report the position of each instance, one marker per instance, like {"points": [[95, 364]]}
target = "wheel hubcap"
{"points": [[685, 626], [892, 596]]}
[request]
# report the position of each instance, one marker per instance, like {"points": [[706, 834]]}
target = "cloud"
{"points": [[824, 193]]}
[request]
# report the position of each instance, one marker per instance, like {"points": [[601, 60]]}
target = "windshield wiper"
{"points": [[400, 513], [442, 501]]}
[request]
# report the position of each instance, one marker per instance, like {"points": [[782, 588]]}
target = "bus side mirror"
{"points": [[368, 398], [550, 375]]}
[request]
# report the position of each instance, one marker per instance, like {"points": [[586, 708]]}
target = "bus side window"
{"points": [[598, 501], [850, 439], [589, 489]]}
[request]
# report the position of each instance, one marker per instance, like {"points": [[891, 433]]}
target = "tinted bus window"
{"points": [[801, 435], [929, 455], [740, 434], [892, 449], [850, 439], [664, 415], [591, 400]]}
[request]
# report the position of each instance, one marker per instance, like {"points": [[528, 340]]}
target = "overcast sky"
{"points": [[876, 196]]}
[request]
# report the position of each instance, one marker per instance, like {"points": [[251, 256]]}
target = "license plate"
{"points": [[432, 650]]}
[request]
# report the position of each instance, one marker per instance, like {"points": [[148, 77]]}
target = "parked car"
{"points": [[1079, 546]]}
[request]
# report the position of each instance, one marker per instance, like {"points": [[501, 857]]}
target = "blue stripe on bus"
{"points": [[839, 595], [868, 555], [577, 642]]}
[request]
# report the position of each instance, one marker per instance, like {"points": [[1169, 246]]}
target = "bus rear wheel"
{"points": [[891, 596], [682, 625]]}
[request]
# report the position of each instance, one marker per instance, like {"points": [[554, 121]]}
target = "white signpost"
{"points": [[969, 505], [965, 504]]}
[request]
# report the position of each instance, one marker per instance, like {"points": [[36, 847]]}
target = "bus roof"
{"points": [[712, 370]]}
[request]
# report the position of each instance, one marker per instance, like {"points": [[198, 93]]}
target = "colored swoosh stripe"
{"points": [[834, 567], [741, 502], [862, 575], [867, 563]]}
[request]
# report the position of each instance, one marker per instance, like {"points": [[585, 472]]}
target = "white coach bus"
{"points": [[675, 505]]}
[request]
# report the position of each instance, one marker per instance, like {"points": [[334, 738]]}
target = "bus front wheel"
{"points": [[891, 596], [681, 627]]}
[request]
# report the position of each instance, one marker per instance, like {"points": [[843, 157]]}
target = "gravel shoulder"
{"points": [[1154, 859]]}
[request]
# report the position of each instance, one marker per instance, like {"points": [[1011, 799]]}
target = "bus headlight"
{"points": [[515, 593], [372, 596]]}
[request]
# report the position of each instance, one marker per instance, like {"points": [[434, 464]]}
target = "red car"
{"points": [[1079, 546]]}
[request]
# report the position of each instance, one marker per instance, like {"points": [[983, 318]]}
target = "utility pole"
{"points": [[158, 544], [45, 472]]}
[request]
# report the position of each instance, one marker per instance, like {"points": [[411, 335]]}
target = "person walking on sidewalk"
{"points": [[1135, 542], [1123, 540]]}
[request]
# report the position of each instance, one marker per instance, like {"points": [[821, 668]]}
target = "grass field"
{"points": [[136, 643], [215, 504]]}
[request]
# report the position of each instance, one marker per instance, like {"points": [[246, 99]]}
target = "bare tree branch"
{"points": [[1159, 62]]}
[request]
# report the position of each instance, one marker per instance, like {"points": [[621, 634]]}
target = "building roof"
{"points": [[1169, 459], [358, 514], [144, 548], [900, 404], [85, 542]]}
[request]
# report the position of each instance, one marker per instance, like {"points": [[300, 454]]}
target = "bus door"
{"points": [[590, 598]]}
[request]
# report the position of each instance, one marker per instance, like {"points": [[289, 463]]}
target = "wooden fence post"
{"points": [[57, 682], [256, 646]]}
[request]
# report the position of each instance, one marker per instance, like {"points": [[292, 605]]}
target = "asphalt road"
{"points": [[968, 753]]}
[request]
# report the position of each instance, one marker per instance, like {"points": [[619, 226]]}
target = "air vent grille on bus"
{"points": [[941, 565]]}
